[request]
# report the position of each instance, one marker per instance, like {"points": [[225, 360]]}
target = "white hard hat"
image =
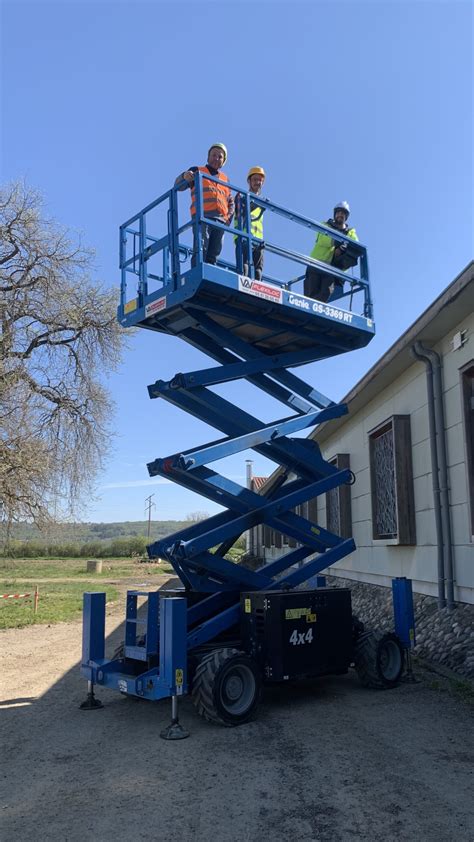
{"points": [[220, 146], [342, 206]]}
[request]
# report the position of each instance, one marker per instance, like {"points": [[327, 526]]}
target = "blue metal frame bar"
{"points": [[211, 453], [194, 552], [233, 421], [149, 625], [243, 501], [93, 627], [266, 204], [275, 513], [235, 371], [403, 611], [295, 256], [168, 679], [248, 352]]}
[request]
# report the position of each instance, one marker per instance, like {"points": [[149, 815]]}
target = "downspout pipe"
{"points": [[435, 361], [249, 535], [434, 471]]}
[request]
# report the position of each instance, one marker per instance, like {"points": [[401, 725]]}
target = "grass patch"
{"points": [[463, 690], [58, 602], [235, 554], [62, 568], [61, 601], [458, 688]]}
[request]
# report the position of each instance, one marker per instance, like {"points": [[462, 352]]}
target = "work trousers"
{"points": [[319, 284], [211, 242], [257, 257]]}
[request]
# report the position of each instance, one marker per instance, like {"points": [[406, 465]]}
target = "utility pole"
{"points": [[148, 507]]}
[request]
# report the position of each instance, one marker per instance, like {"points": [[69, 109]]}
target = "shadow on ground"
{"points": [[326, 760]]}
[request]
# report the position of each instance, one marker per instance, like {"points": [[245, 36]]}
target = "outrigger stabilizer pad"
{"points": [[91, 703], [174, 731]]}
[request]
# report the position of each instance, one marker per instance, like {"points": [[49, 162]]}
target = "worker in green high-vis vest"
{"points": [[317, 283], [255, 181]]}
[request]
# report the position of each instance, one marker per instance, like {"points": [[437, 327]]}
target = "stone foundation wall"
{"points": [[442, 637]]}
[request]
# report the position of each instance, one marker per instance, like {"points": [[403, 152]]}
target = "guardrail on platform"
{"points": [[138, 245]]}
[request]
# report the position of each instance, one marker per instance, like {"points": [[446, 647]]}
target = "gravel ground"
{"points": [[326, 761]]}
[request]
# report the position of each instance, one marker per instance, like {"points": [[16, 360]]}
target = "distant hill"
{"points": [[93, 540], [82, 533]]}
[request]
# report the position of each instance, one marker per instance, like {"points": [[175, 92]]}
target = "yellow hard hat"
{"points": [[255, 171], [219, 146]]}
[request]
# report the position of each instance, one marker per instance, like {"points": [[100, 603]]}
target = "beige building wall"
{"points": [[378, 561]]}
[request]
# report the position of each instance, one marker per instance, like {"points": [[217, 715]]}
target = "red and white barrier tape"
{"points": [[33, 594]]}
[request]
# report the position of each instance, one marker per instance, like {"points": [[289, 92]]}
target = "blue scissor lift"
{"points": [[258, 331]]}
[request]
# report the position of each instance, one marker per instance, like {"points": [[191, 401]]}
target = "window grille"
{"points": [[338, 502], [467, 387], [385, 515], [393, 502]]}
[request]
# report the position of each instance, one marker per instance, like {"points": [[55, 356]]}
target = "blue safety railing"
{"points": [[139, 244]]}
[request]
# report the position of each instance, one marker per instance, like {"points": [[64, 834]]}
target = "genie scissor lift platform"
{"points": [[231, 627]]}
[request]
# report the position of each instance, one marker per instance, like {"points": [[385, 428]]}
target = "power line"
{"points": [[148, 507]]}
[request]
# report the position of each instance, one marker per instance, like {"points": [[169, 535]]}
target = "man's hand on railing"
{"points": [[184, 180], [231, 209]]}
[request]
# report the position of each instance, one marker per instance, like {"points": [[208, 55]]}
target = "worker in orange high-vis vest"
{"points": [[217, 198]]}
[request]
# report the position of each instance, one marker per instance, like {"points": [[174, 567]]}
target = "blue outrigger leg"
{"points": [[253, 330]]}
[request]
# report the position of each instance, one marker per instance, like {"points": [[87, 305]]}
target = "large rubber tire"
{"points": [[379, 659], [226, 687], [358, 628]]}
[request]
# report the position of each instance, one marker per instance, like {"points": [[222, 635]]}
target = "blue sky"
{"points": [[104, 103]]}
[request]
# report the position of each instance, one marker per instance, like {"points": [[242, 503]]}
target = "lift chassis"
{"points": [[230, 627]]}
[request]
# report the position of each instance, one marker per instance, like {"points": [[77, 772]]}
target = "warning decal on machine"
{"points": [[130, 306], [155, 306], [269, 292], [296, 613], [248, 606]]}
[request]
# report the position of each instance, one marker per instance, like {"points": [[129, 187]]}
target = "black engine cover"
{"points": [[298, 634]]}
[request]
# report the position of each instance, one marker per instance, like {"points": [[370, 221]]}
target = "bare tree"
{"points": [[196, 517], [59, 335]]}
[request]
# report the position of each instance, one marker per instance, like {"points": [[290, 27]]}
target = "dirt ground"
{"points": [[326, 761]]}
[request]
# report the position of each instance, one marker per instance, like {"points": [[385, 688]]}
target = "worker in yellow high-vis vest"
{"points": [[317, 283], [255, 181]]}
